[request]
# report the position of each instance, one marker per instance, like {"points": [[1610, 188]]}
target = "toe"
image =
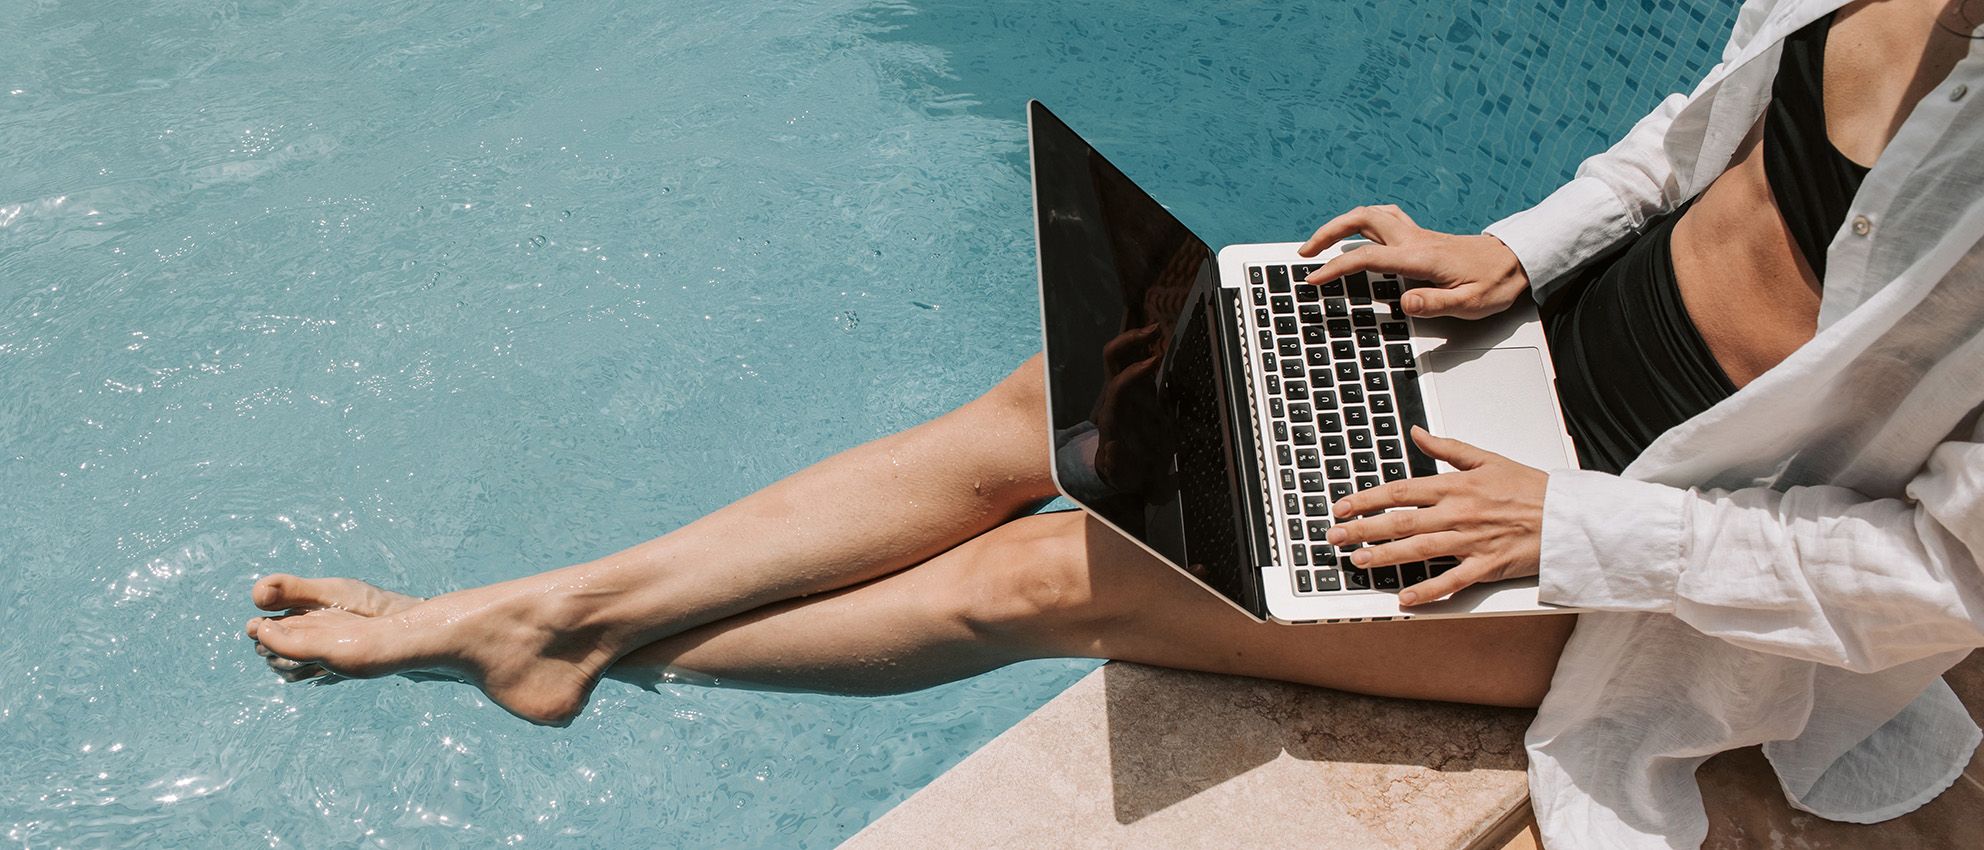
{"points": [[345, 643], [284, 592]]}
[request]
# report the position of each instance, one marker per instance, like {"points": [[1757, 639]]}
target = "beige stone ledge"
{"points": [[1140, 757]]}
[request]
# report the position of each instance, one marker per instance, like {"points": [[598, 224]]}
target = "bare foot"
{"points": [[498, 637]]}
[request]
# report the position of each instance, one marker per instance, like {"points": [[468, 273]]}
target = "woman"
{"points": [[1765, 311]]}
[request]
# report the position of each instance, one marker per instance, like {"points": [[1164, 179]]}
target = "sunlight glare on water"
{"points": [[438, 294]]}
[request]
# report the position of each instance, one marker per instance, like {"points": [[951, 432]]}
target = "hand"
{"points": [[1472, 276], [1489, 514]]}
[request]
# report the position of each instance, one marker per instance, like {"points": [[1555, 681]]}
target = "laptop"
{"points": [[1212, 407]]}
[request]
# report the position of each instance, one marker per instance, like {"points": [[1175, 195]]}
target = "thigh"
{"points": [[1154, 615]]}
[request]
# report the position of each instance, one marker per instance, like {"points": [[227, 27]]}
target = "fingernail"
{"points": [[1336, 535], [1361, 556], [1408, 598]]}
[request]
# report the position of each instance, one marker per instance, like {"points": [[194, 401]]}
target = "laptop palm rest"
{"points": [[1499, 399]]}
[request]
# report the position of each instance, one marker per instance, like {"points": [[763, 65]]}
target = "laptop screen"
{"points": [[1129, 301]]}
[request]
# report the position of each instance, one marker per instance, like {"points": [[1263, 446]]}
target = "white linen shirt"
{"points": [[1799, 564]]}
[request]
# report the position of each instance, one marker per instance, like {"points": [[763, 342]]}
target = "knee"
{"points": [[1030, 579], [1022, 394]]}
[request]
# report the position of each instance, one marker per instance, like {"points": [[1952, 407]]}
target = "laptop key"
{"points": [[1283, 325], [1337, 308], [1308, 458], [1314, 335], [1323, 554], [1366, 482], [1355, 417], [1333, 445], [1400, 355], [1327, 580], [1367, 338], [1283, 454], [1318, 357], [1254, 275], [1287, 479], [1330, 421], [1385, 426], [1282, 304], [1289, 347], [1332, 288], [1411, 574], [1351, 393], [1281, 432], [1392, 471], [1363, 317], [1390, 450], [1292, 369], [1364, 462], [1319, 529], [1385, 289], [1304, 270], [1291, 503], [1305, 435], [1320, 377], [1275, 408], [1305, 293], [1384, 578], [1338, 327], [1340, 490], [1369, 360], [1325, 399], [1295, 529], [1359, 286], [1337, 468], [1313, 506], [1261, 315], [1302, 584], [1343, 349], [1346, 372], [1301, 412], [1356, 579], [1375, 382], [1381, 403], [1309, 313], [1274, 385], [1311, 481], [1359, 438], [1394, 331], [1278, 278]]}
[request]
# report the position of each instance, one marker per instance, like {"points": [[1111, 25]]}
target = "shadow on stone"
{"points": [[1174, 734]]}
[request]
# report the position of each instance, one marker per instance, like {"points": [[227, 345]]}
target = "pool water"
{"points": [[435, 294]]}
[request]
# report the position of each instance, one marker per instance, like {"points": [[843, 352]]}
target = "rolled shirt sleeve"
{"points": [[1817, 573]]}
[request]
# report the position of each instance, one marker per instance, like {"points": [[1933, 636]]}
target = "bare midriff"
{"points": [[1746, 286]]}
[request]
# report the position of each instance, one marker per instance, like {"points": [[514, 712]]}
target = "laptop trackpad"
{"points": [[1499, 399]]}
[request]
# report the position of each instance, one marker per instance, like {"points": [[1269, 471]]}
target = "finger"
{"points": [[1126, 347], [1448, 583], [1391, 525], [1418, 547], [1373, 257], [1405, 492], [1466, 300], [1373, 223], [1461, 455]]}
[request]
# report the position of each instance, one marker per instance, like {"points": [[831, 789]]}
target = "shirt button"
{"points": [[1861, 225], [1959, 91]]}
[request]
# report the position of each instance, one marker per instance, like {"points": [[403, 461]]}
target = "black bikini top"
{"points": [[1811, 180]]}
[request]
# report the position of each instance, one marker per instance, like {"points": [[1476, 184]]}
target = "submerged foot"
{"points": [[495, 637]]}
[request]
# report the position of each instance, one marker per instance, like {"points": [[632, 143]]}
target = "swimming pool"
{"points": [[437, 294]]}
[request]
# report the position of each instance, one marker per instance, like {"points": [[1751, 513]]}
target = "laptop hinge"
{"points": [[1246, 459]]}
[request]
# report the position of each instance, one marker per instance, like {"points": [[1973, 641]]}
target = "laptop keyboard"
{"points": [[1342, 395]]}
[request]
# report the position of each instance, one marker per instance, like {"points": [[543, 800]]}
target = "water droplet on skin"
{"points": [[565, 214], [537, 241]]}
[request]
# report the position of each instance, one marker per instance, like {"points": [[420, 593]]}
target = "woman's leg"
{"points": [[1064, 585], [538, 644]]}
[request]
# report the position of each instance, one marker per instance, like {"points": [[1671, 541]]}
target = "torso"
{"points": [[1742, 278]]}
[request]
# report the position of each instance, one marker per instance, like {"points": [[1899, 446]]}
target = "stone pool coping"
{"points": [[1142, 757]]}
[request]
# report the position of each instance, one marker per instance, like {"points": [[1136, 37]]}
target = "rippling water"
{"points": [[438, 294]]}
